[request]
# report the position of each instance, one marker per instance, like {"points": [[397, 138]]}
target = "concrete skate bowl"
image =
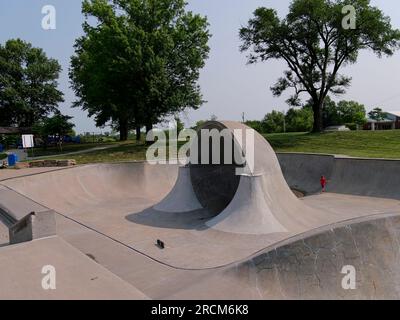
{"points": [[92, 190], [135, 204], [138, 203]]}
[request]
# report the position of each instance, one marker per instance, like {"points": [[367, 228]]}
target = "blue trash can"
{"points": [[12, 159]]}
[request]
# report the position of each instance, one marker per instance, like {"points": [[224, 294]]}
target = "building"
{"points": [[394, 116], [391, 122]]}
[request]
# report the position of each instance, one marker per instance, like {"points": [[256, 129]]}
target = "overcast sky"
{"points": [[228, 84]]}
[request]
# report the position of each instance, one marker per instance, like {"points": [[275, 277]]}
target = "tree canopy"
{"points": [[273, 122], [299, 120], [314, 43], [139, 61], [377, 114], [28, 84], [342, 113], [58, 126]]}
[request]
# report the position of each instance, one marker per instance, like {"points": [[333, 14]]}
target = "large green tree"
{"points": [[315, 42], [351, 112], [138, 61], [343, 112], [58, 126], [28, 84]]}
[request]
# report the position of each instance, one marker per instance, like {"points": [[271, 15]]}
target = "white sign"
{"points": [[27, 141]]}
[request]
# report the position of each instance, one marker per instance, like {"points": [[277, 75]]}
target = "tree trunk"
{"points": [[138, 133], [123, 130], [318, 125], [149, 127], [149, 139]]}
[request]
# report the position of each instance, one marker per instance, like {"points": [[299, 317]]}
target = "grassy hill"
{"points": [[378, 144], [371, 144]]}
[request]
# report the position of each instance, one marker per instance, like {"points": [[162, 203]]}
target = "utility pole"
{"points": [[243, 120], [284, 121]]}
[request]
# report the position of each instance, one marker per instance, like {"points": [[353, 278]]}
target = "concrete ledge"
{"points": [[33, 226]]}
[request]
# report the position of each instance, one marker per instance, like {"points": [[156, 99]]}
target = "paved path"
{"points": [[76, 152]]}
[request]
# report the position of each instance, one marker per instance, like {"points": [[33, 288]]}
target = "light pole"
{"points": [[284, 121]]}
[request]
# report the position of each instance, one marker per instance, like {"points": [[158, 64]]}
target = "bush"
{"points": [[299, 120], [351, 126], [256, 125], [273, 122], [3, 156]]}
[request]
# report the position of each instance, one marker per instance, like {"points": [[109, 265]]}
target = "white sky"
{"points": [[228, 84]]}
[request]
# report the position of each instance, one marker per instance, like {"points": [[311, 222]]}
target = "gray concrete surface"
{"points": [[311, 266], [109, 212], [303, 171], [77, 276]]}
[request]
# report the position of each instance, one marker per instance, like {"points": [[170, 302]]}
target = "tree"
{"points": [[341, 113], [377, 114], [314, 43], [299, 120], [349, 112], [28, 84], [256, 125], [273, 122], [139, 62], [329, 112], [57, 126], [180, 126]]}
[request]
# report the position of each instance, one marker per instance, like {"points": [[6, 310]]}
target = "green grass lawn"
{"points": [[378, 144], [126, 151], [370, 144]]}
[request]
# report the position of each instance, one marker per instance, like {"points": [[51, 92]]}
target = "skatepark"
{"points": [[267, 233]]}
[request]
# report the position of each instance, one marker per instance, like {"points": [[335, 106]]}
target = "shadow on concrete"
{"points": [[194, 220]]}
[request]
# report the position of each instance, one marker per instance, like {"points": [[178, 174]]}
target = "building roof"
{"points": [[395, 113]]}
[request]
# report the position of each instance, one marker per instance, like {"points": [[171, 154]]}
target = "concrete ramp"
{"points": [[91, 187], [251, 211], [262, 203], [182, 197]]}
